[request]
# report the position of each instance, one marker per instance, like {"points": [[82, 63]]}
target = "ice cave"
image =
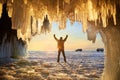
{"points": [[20, 20]]}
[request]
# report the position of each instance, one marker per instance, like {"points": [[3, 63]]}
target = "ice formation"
{"points": [[95, 15], [45, 27], [59, 10], [10, 45]]}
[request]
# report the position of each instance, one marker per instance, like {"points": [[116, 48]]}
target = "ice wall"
{"points": [[111, 39], [112, 47], [13, 48], [10, 44]]}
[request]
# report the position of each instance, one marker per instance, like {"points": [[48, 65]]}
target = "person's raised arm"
{"points": [[55, 38], [66, 38]]}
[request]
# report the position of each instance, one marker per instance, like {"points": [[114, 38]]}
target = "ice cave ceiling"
{"points": [[26, 14]]}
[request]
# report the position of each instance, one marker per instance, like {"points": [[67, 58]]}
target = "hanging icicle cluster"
{"points": [[10, 45], [45, 27], [58, 10]]}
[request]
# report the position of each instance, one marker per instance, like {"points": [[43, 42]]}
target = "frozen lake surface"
{"points": [[85, 64], [42, 65]]}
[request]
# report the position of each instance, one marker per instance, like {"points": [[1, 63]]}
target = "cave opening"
{"points": [[44, 47]]}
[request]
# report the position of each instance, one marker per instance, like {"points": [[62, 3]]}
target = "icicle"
{"points": [[0, 9], [67, 1], [92, 30], [37, 26], [57, 7], [33, 26], [12, 1], [10, 10], [76, 13], [114, 14], [104, 15], [90, 10], [84, 21], [25, 1], [62, 24], [31, 22], [46, 25], [63, 5]]}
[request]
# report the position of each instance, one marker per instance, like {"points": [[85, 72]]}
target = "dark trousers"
{"points": [[59, 51]]}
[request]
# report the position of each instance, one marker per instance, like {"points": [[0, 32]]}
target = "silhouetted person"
{"points": [[60, 43]]}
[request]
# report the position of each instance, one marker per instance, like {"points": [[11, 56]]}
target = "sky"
{"points": [[76, 39]]}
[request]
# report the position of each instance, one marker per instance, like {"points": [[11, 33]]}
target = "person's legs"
{"points": [[58, 56], [64, 55]]}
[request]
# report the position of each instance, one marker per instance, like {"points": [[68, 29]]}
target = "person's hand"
{"points": [[54, 34], [67, 35]]}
